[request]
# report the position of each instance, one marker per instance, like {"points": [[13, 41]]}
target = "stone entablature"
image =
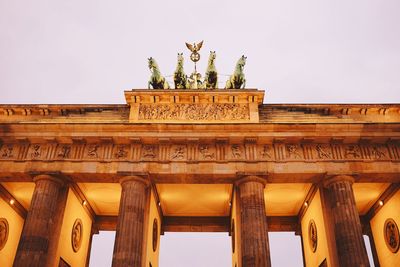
{"points": [[63, 113], [268, 113], [188, 106], [194, 150]]}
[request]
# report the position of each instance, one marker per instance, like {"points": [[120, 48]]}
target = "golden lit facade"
{"points": [[199, 161]]}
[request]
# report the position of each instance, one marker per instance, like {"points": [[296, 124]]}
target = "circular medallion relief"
{"points": [[233, 235], [3, 232], [76, 235], [155, 234], [312, 235], [391, 233]]}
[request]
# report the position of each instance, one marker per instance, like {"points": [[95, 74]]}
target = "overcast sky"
{"points": [[299, 51]]}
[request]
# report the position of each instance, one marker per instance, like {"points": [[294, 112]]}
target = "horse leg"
{"points": [[244, 83], [166, 85], [228, 84]]}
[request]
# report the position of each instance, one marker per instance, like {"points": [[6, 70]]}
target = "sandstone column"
{"points": [[128, 246], [254, 230], [41, 232], [346, 222]]}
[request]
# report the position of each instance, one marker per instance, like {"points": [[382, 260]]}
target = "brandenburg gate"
{"points": [[199, 161]]}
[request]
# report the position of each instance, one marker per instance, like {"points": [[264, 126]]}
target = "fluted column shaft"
{"points": [[128, 246], [40, 234], [347, 226], [254, 229]]}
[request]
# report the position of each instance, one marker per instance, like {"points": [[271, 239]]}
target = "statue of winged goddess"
{"points": [[195, 56], [194, 48]]}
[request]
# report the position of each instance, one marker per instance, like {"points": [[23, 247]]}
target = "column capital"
{"points": [[251, 178], [136, 178], [336, 178], [49, 177]]}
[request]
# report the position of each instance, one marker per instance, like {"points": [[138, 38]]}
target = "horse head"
{"points": [[153, 66], [180, 59], [241, 62], [151, 63], [212, 57]]}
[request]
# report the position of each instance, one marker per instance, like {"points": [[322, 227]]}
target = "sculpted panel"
{"points": [[194, 112], [155, 234], [323, 151], [391, 233], [120, 152], [237, 152], [4, 229], [211, 151], [312, 235], [293, 151], [149, 152], [378, 152], [7, 151], [36, 151], [267, 152], [352, 152], [76, 235], [207, 152], [178, 152], [63, 151], [92, 151]]}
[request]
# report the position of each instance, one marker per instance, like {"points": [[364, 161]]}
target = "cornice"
{"points": [[268, 113]]}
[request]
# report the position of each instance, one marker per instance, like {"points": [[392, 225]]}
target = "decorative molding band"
{"points": [[198, 152]]}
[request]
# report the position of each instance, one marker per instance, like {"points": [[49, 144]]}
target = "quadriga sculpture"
{"points": [[211, 77], [157, 81], [237, 80], [195, 81], [180, 78]]}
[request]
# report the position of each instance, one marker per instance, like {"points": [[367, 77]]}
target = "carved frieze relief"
{"points": [[36, 151], [352, 151], [149, 152], [120, 152], [293, 151], [207, 152], [92, 151], [323, 151], [194, 112], [7, 151], [197, 151], [267, 152], [178, 152], [64, 151], [236, 152]]}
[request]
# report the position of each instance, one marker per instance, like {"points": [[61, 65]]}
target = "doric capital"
{"points": [[251, 178], [49, 177], [336, 178], [134, 178]]}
